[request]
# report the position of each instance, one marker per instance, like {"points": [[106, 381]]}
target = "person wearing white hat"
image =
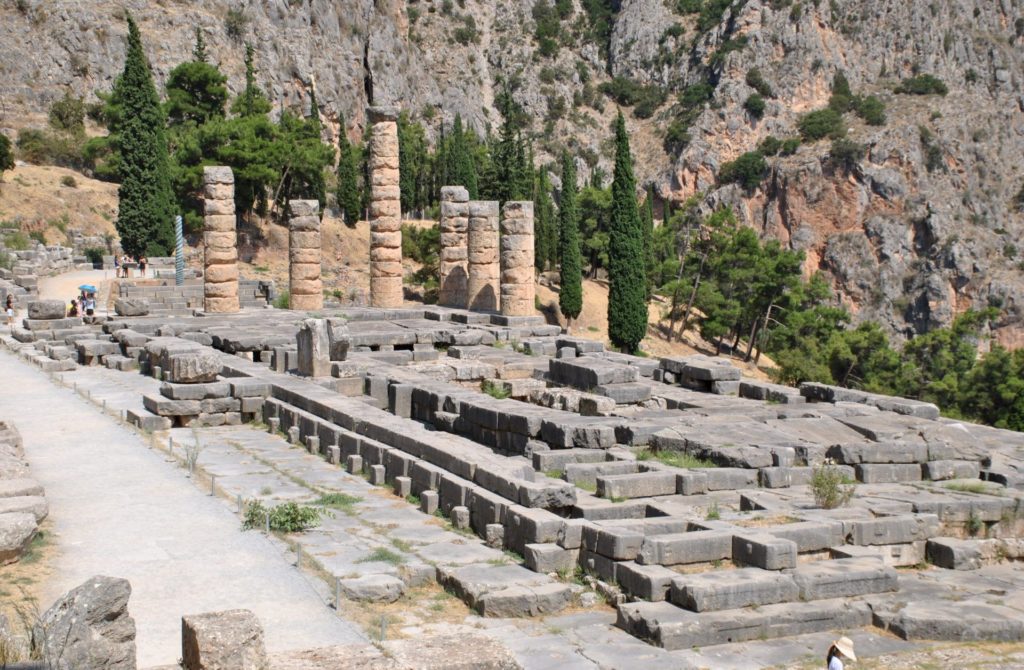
{"points": [[840, 649]]}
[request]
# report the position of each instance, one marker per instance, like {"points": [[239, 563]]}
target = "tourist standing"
{"points": [[142, 266], [117, 266], [9, 308]]}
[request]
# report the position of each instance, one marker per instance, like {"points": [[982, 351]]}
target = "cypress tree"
{"points": [[463, 170], [648, 229], [544, 222], [570, 297], [145, 218], [348, 180], [199, 50], [627, 303]]}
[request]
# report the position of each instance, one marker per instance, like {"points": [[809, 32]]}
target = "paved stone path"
{"points": [[117, 508]]}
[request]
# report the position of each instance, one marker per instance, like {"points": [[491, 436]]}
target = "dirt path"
{"points": [[116, 508]]}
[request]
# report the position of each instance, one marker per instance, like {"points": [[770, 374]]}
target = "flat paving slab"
{"points": [[118, 508]]}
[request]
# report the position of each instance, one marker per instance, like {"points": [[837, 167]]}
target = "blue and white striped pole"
{"points": [[179, 253]]}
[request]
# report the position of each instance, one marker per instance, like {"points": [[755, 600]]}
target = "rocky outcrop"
{"points": [[89, 627]]}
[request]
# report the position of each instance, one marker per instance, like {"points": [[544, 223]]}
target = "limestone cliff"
{"points": [[924, 226]]}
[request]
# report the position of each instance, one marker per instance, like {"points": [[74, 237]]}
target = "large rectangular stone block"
{"points": [[732, 589]]}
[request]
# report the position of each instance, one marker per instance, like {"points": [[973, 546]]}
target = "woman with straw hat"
{"points": [[840, 649]]}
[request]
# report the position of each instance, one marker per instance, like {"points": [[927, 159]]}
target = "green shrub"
{"points": [[820, 124], [283, 300], [831, 488], [40, 147], [933, 159], [17, 241], [790, 146], [922, 84], [94, 255], [872, 110], [235, 22], [748, 170], [757, 82], [770, 146], [689, 6], [422, 245], [676, 459], [645, 100], [68, 114], [755, 105], [846, 153], [289, 517], [717, 59], [466, 34], [38, 236], [677, 136]]}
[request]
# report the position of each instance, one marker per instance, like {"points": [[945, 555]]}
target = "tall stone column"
{"points": [[484, 271], [220, 241], [385, 210], [517, 289], [305, 288], [454, 261]]}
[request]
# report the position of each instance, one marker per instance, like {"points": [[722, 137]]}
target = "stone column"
{"points": [[220, 242], [385, 210], [484, 271], [306, 291], [454, 261], [517, 288]]}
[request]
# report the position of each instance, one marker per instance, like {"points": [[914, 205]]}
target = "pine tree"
{"points": [[461, 160], [570, 297], [647, 221], [348, 182], [145, 219], [627, 304]]}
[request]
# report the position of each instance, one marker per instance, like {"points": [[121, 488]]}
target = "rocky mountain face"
{"points": [[922, 227]]}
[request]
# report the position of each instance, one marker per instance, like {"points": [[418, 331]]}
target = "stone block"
{"points": [[732, 589], [548, 558], [877, 473], [200, 391], [844, 578], [702, 546], [46, 309], [638, 485], [892, 529], [229, 640], [950, 469], [372, 588], [650, 582], [764, 551], [192, 367]]}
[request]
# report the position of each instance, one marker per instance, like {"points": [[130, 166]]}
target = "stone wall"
{"points": [[517, 271], [385, 210], [220, 241], [454, 259], [484, 269], [305, 287]]}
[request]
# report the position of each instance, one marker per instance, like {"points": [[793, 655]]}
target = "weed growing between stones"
{"points": [[974, 524], [287, 517], [192, 451], [493, 390], [831, 487], [676, 459], [713, 513], [383, 555], [970, 487], [338, 501]]}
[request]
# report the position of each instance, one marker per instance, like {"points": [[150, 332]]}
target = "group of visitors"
{"points": [[83, 305], [122, 270]]}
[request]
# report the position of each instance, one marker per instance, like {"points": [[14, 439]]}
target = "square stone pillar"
{"points": [[484, 269], [454, 261], [517, 271], [220, 241], [385, 210], [305, 288]]}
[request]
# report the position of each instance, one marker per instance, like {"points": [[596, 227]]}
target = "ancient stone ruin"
{"points": [[517, 271], [305, 288], [220, 241], [454, 257], [482, 292], [385, 210], [22, 503]]}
